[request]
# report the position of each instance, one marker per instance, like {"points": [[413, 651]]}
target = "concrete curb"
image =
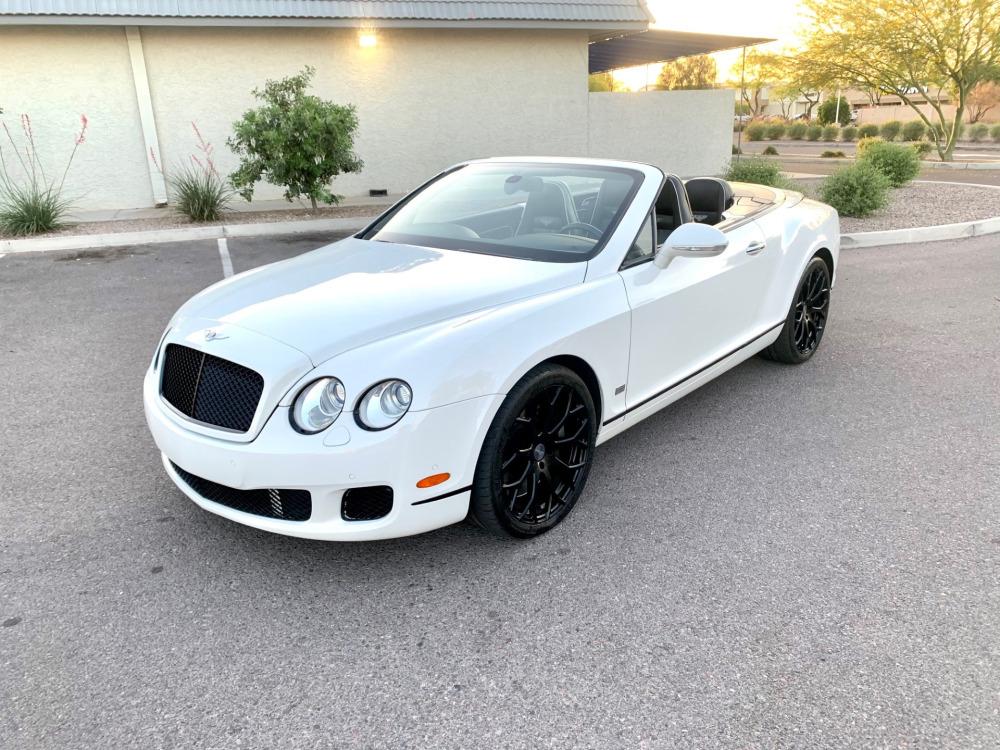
{"points": [[182, 234], [956, 231]]}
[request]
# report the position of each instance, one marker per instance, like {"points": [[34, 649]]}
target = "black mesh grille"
{"points": [[212, 390], [288, 505], [366, 503]]}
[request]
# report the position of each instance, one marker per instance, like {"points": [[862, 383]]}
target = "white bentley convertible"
{"points": [[465, 354]]}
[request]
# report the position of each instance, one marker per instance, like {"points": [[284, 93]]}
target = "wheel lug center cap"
{"points": [[539, 452]]}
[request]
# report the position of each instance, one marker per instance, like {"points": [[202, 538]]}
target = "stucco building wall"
{"points": [[426, 98]]}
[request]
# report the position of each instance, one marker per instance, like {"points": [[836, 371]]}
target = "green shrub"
{"points": [[914, 130], [979, 132], [865, 143], [849, 133], [797, 130], [899, 163], [830, 132], [31, 209], [857, 190], [833, 154], [776, 131], [756, 131], [921, 148], [757, 171], [813, 132], [827, 112], [890, 130], [995, 133], [30, 202], [770, 151], [737, 150], [868, 131], [294, 139], [199, 191], [937, 130]]}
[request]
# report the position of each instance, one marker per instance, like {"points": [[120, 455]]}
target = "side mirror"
{"points": [[691, 240]]}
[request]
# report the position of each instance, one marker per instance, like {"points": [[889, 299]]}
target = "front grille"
{"points": [[210, 389], [288, 505], [366, 503]]}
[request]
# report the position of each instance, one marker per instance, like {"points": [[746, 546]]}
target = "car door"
{"points": [[694, 312]]}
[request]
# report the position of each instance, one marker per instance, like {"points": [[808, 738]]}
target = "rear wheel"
{"points": [[536, 456], [807, 317]]}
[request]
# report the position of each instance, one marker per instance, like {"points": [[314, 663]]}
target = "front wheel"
{"points": [[807, 317], [536, 456]]}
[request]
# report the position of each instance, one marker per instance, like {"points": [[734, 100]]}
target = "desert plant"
{"points": [[756, 131], [776, 131], [857, 190], [797, 131], [296, 140], [200, 192], [830, 132], [899, 163], [31, 203], [757, 171], [865, 143], [827, 113], [813, 132], [868, 131], [770, 151], [849, 133], [995, 133], [833, 154], [914, 130], [921, 148], [890, 130], [979, 132]]}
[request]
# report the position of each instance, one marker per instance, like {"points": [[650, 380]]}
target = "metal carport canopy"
{"points": [[660, 45]]}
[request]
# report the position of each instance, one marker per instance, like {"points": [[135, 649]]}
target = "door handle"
{"points": [[756, 247]]}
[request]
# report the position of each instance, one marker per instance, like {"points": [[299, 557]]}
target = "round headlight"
{"points": [[318, 405], [384, 404]]}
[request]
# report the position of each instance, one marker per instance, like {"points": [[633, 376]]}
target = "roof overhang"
{"points": [[659, 46]]}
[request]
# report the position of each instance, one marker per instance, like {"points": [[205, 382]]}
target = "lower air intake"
{"points": [[288, 505], [366, 503]]}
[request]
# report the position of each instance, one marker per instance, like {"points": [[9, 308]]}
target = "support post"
{"points": [[147, 119]]}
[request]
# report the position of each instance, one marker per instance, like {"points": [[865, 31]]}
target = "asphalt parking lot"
{"points": [[789, 557]]}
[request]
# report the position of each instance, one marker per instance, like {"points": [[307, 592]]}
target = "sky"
{"points": [[775, 19]]}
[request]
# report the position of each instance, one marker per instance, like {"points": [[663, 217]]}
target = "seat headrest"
{"points": [[709, 197]]}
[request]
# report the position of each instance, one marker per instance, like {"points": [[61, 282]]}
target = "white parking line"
{"points": [[227, 262], [3, 255]]}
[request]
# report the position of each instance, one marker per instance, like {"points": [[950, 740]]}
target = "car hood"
{"points": [[356, 291]]}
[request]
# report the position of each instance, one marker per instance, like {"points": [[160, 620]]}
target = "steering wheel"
{"points": [[588, 229]]}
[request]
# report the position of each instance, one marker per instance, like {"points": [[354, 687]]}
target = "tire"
{"points": [[807, 318], [548, 425]]}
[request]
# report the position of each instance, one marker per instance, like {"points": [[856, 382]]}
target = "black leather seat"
{"points": [[548, 208], [710, 198], [672, 208]]}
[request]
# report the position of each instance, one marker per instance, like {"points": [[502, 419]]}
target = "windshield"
{"points": [[550, 212]]}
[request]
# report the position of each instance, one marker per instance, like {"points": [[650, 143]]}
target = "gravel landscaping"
{"points": [[921, 204], [171, 219]]}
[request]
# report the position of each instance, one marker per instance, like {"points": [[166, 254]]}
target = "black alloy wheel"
{"points": [[537, 454], [807, 319]]}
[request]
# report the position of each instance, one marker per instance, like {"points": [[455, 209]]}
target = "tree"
{"points": [[697, 72], [982, 99], [835, 109], [762, 70], [604, 82], [908, 48], [296, 140]]}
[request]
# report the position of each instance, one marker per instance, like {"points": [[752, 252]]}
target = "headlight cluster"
{"points": [[319, 403]]}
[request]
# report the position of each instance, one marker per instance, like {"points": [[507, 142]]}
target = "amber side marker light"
{"points": [[433, 480]]}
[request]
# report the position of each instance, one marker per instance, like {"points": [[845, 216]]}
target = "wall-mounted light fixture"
{"points": [[367, 38]]}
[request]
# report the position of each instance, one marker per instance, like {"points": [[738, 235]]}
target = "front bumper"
{"points": [[444, 439]]}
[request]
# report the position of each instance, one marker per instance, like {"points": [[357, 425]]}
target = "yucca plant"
{"points": [[200, 192], [31, 203]]}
